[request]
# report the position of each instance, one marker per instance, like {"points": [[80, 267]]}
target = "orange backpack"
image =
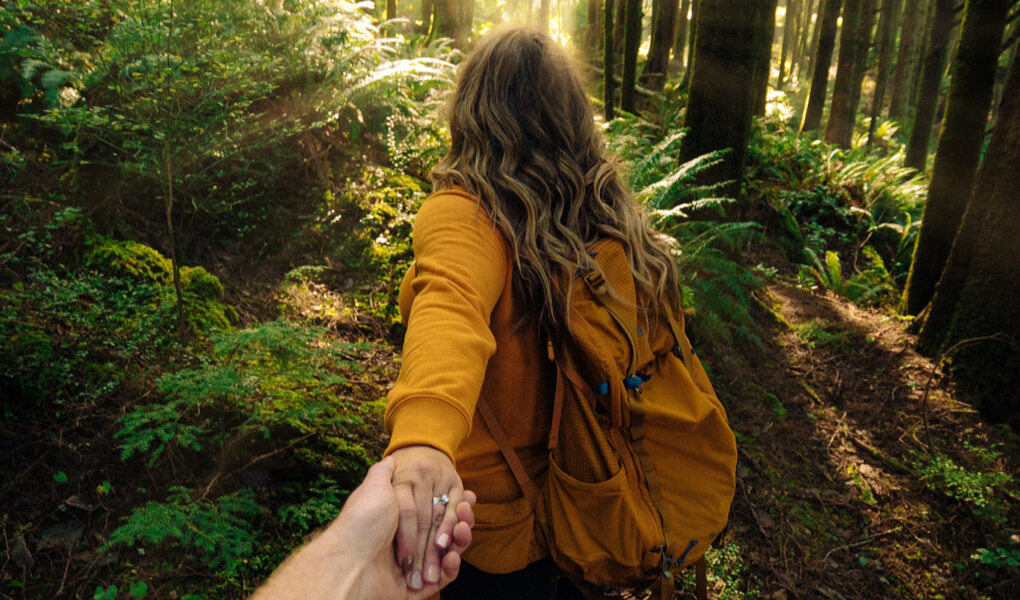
{"points": [[642, 459]]}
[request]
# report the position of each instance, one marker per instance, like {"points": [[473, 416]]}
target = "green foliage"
{"points": [[275, 376], [320, 504], [823, 334], [216, 532], [999, 558], [129, 260], [871, 286], [973, 488]]}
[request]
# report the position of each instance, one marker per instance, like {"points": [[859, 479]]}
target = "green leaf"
{"points": [[139, 589], [109, 594], [60, 477]]}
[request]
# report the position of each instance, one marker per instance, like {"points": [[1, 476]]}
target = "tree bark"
{"points": [[631, 45], [827, 26], [619, 32], [692, 40], [391, 10], [905, 58], [863, 41], [764, 31], [608, 60], [931, 77], [976, 295], [722, 93], [663, 23], [789, 39], [959, 149], [543, 16], [680, 45], [840, 126], [453, 20], [804, 46], [594, 32], [886, 28]]}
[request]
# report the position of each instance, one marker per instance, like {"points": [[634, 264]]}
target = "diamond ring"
{"points": [[444, 500]]}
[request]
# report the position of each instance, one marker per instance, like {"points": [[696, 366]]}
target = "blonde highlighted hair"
{"points": [[525, 142]]}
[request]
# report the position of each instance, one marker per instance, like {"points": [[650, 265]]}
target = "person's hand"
{"points": [[354, 559], [370, 519], [425, 529]]}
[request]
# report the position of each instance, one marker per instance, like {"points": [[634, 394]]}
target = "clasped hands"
{"points": [[397, 536]]}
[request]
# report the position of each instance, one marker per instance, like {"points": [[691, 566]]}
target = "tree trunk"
{"points": [[905, 58], [608, 60], [863, 41], [886, 28], [594, 32], [803, 48], [722, 93], [828, 22], [931, 77], [840, 126], [426, 16], [680, 45], [976, 295], [631, 45], [663, 23], [621, 20], [789, 39], [959, 150], [391, 10], [764, 31], [453, 20], [543, 16], [692, 40]]}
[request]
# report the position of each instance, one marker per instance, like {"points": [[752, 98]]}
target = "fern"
{"points": [[217, 531]]}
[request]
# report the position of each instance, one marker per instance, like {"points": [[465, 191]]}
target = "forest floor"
{"points": [[849, 444], [859, 474]]}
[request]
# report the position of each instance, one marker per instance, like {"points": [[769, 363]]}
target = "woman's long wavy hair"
{"points": [[525, 142]]}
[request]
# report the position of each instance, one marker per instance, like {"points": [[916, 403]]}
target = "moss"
{"points": [[130, 260]]}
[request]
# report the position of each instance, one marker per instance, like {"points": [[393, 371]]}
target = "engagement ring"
{"points": [[444, 500]]}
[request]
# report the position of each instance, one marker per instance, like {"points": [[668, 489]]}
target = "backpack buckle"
{"points": [[667, 564]]}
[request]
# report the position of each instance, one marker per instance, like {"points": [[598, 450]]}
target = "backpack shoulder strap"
{"points": [[499, 436]]}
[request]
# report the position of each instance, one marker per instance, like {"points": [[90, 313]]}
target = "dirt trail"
{"points": [[834, 430]]}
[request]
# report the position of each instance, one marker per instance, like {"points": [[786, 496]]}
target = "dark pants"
{"points": [[541, 580]]}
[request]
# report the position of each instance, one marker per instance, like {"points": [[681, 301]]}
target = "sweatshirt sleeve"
{"points": [[460, 272]]}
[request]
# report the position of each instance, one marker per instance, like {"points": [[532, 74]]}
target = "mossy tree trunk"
{"points": [[977, 293], [840, 127], [959, 149], [934, 65], [764, 32], [886, 30], [804, 47], [680, 44], [722, 93], [912, 18], [663, 23], [631, 45], [618, 28], [594, 27], [828, 24], [608, 60]]}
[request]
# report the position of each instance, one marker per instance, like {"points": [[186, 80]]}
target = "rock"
{"points": [[19, 553], [79, 501], [65, 535]]}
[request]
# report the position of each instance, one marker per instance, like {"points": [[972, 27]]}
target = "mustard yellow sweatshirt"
{"points": [[457, 304]]}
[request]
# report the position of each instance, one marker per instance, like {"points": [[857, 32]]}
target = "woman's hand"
{"points": [[425, 528]]}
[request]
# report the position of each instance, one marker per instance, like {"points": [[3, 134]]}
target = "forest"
{"points": [[207, 209]]}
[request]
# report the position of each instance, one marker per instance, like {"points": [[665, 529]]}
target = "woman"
{"points": [[526, 188]]}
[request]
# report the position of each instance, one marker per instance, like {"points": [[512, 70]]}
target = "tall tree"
{"points": [[663, 22], [840, 126], [721, 93], [608, 60], [680, 45], [827, 26], [804, 46], [976, 295], [790, 17], [692, 40], [886, 30], [543, 15], [863, 42], [631, 45], [912, 16], [764, 31], [593, 33], [931, 76], [453, 20], [618, 28], [391, 10], [959, 149]]}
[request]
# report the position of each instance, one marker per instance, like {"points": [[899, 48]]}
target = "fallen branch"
{"points": [[892, 463], [860, 543]]}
